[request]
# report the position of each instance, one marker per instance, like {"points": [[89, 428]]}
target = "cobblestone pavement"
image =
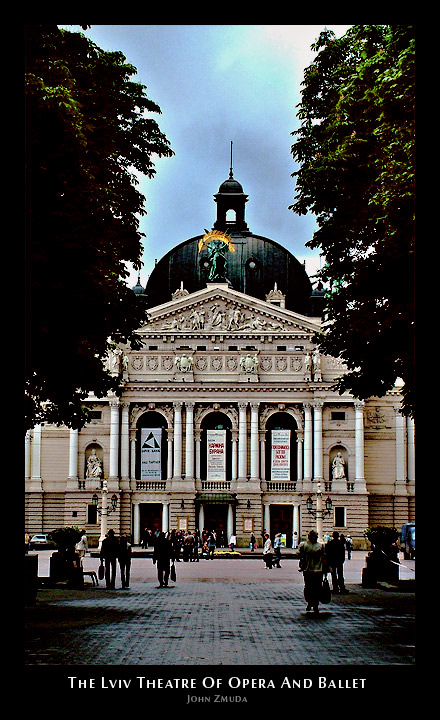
{"points": [[225, 612]]}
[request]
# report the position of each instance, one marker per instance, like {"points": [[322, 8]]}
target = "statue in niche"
{"points": [[94, 465], [308, 365], [338, 467]]}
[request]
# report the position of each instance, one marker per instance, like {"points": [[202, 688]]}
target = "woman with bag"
{"points": [[313, 564]]}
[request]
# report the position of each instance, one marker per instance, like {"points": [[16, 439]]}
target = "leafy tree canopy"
{"points": [[356, 156], [88, 131]]}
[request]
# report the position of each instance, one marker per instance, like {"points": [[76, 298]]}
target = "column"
{"points": [[299, 456], [27, 455], [36, 484], [73, 454], [230, 523], [234, 455], [411, 472], [317, 434], [359, 447], [125, 443], [263, 454], [296, 524], [165, 523], [177, 461], [170, 454], [308, 442], [197, 439], [242, 442], [114, 438], [189, 445], [254, 443], [133, 459], [266, 518], [400, 485], [136, 524]]}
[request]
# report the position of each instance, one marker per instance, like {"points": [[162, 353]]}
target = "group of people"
{"points": [[113, 551], [272, 553], [316, 561]]}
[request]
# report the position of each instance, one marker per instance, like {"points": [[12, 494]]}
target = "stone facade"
{"points": [[218, 359]]}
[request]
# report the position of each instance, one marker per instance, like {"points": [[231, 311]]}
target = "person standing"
{"points": [[277, 550], [125, 561], [335, 551], [108, 555], [312, 564], [82, 546], [162, 558], [268, 551], [211, 546]]}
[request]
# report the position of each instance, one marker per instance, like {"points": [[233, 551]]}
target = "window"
{"points": [[282, 347], [338, 415], [201, 347], [95, 414], [340, 517]]}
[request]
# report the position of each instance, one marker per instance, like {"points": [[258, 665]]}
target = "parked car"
{"points": [[408, 541], [40, 541]]}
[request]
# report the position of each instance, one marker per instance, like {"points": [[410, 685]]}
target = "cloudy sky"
{"points": [[216, 84]]}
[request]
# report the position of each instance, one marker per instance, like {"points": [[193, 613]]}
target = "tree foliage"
{"points": [[356, 155], [88, 131]]}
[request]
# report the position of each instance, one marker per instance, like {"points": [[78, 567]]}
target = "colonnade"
{"points": [[122, 448]]}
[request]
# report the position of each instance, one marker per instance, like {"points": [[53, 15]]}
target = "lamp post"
{"points": [[320, 512], [104, 511]]}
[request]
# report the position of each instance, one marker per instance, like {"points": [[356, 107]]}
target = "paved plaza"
{"points": [[230, 612]]}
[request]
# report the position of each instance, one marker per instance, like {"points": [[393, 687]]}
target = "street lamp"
{"points": [[320, 513], [104, 511]]}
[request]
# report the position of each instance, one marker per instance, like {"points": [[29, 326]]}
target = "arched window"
{"points": [[215, 421], [282, 421], [151, 446]]}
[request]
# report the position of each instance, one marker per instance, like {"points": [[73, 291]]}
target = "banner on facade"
{"points": [[216, 461], [280, 455], [151, 453]]}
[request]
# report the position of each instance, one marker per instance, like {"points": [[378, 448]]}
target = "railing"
{"points": [[280, 486], [151, 484], [216, 484]]}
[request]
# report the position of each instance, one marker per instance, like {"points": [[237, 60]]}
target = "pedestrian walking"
{"points": [[108, 556], [267, 552], [335, 551], [161, 558], [313, 565], [348, 546], [232, 542], [253, 542], [196, 546], [277, 545], [125, 561]]}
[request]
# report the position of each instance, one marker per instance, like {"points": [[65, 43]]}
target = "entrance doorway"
{"points": [[216, 518], [281, 521], [150, 517]]}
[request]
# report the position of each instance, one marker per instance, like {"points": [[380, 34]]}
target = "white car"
{"points": [[40, 541]]}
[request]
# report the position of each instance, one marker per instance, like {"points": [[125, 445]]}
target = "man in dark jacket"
{"points": [[109, 554], [335, 552], [162, 557]]}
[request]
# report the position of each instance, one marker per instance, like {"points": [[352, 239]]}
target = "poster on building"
{"points": [[151, 454], [280, 455], [216, 460]]}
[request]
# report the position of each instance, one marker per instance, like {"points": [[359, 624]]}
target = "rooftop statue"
{"points": [[217, 244]]}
